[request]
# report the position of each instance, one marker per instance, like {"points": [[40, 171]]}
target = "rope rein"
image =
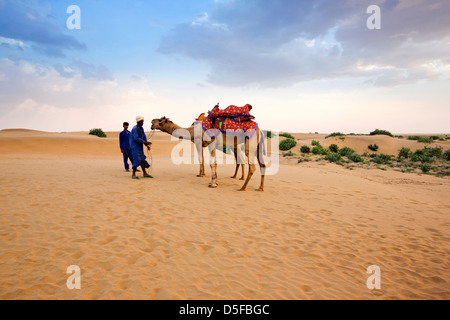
{"points": [[149, 151]]}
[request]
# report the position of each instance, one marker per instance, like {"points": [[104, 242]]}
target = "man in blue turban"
{"points": [[137, 141]]}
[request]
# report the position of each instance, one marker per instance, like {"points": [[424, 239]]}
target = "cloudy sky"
{"points": [[305, 65]]}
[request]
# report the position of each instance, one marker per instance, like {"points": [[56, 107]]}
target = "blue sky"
{"points": [[305, 65]]}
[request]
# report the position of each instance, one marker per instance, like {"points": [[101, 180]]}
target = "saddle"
{"points": [[231, 112], [231, 120]]}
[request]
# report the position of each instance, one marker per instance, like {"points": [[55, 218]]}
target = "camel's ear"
{"points": [[166, 120], [163, 118]]}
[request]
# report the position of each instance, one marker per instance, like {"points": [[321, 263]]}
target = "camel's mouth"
{"points": [[153, 125]]}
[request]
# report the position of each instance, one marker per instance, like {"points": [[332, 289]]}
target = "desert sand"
{"points": [[66, 200]]}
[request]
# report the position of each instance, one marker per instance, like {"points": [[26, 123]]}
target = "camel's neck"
{"points": [[176, 131]]}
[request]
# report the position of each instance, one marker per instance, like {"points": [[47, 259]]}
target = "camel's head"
{"points": [[158, 124]]}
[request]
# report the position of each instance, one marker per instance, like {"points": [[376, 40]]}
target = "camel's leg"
{"points": [[262, 167], [201, 159], [213, 164], [251, 167], [237, 164], [243, 172], [241, 161], [251, 171], [202, 169]]}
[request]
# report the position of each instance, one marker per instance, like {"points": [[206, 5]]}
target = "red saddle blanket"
{"points": [[231, 111], [229, 126]]}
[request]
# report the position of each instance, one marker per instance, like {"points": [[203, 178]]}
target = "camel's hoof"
{"points": [[260, 189], [212, 186], [242, 189], [242, 179], [200, 176], [233, 177]]}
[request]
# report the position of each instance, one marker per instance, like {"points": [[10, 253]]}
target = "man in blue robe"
{"points": [[124, 140], [138, 140]]}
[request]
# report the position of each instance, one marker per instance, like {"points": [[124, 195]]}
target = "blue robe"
{"points": [[137, 141]]}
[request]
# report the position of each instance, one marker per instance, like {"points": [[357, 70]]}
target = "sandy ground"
{"points": [[66, 200]]}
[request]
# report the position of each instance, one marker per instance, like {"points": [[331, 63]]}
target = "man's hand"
{"points": [[122, 151], [148, 143]]}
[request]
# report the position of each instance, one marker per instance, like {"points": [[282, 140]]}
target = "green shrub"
{"points": [[287, 144], [319, 150], [346, 151], [425, 140], [305, 149], [373, 147], [382, 159], [333, 157], [417, 157], [381, 132], [315, 143], [425, 168], [355, 157], [335, 134], [287, 135], [404, 153], [444, 173], [334, 148], [426, 155], [434, 152], [97, 132], [447, 155], [289, 154]]}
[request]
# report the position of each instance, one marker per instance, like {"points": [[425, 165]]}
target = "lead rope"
{"points": [[149, 151]]}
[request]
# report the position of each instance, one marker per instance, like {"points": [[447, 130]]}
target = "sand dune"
{"points": [[74, 144], [66, 200]]}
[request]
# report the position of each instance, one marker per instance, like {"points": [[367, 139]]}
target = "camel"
{"points": [[253, 147], [170, 128]]}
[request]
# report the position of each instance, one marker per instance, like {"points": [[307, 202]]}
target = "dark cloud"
{"points": [[281, 42], [22, 20]]}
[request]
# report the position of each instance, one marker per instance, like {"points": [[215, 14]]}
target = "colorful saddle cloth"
{"points": [[229, 126], [230, 112]]}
